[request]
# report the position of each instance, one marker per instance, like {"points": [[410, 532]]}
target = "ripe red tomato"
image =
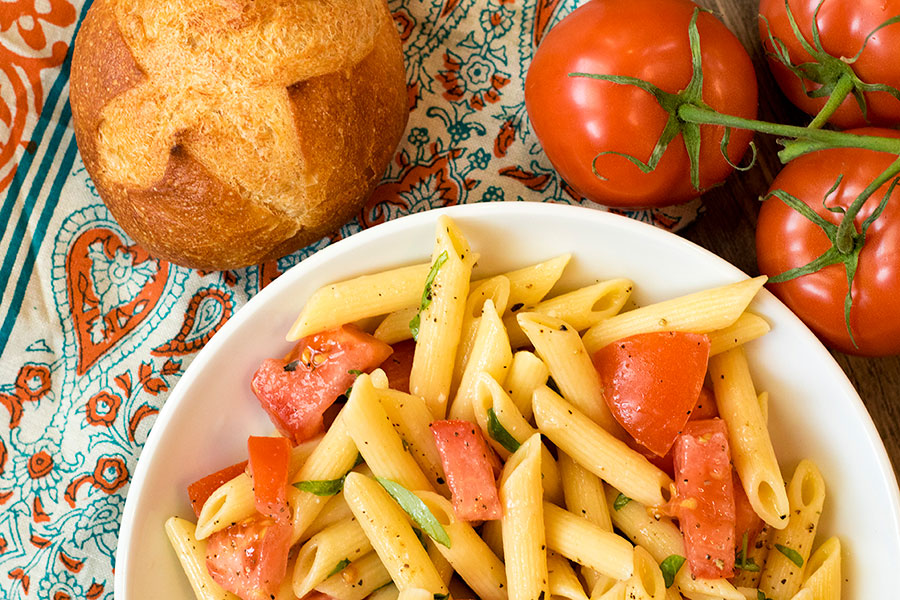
{"points": [[786, 239], [843, 27], [651, 382], [465, 457], [270, 459], [577, 118], [250, 558], [296, 391], [704, 502], [202, 489]]}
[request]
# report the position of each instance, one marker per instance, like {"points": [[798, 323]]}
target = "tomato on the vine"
{"points": [[843, 26], [578, 118], [785, 239]]}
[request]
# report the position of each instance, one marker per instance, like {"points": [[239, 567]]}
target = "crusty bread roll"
{"points": [[222, 133]]}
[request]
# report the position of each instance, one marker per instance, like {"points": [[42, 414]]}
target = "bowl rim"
{"points": [[536, 210]]}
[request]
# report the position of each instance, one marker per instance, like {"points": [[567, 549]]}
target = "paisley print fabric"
{"points": [[95, 332]]}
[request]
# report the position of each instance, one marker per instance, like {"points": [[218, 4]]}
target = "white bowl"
{"points": [[814, 410]]}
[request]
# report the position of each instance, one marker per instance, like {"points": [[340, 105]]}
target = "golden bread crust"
{"points": [[242, 177]]}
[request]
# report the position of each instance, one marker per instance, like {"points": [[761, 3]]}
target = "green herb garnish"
{"points": [[741, 561], [670, 567], [620, 502], [339, 567], [416, 509], [499, 433], [321, 487], [792, 554], [426, 294]]}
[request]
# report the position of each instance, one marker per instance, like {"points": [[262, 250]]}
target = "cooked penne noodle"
{"points": [[410, 417], [492, 534], [581, 308], [388, 592], [699, 312], [526, 374], [373, 434], [490, 354], [334, 511], [647, 581], [395, 327], [191, 554], [332, 459], [747, 328], [822, 578], [563, 580], [323, 553], [357, 580], [751, 448], [615, 592], [415, 594], [561, 349], [366, 296], [524, 542], [530, 284], [491, 396], [584, 496], [468, 554], [789, 548], [495, 289], [441, 321], [598, 451], [587, 544], [757, 554], [386, 526], [661, 538]]}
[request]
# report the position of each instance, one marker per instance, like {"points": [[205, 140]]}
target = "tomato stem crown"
{"points": [[834, 75]]}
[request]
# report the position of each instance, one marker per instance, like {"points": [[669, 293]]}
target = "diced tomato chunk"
{"points": [[249, 559], [651, 382], [399, 364], [746, 520], [296, 391], [270, 458], [465, 457], [200, 490], [706, 407], [704, 502]]}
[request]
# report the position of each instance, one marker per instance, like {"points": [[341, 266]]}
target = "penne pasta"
{"points": [[790, 547], [385, 524], [751, 448], [598, 451], [822, 577], [495, 289], [747, 328], [191, 554], [581, 308], [526, 374], [587, 544], [324, 552], [524, 542], [564, 582], [700, 312], [647, 581], [357, 580], [441, 320]]}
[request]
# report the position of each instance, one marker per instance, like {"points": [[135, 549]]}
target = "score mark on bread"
{"points": [[280, 114]]}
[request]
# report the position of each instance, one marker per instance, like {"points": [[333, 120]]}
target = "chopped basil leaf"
{"points": [[421, 537], [620, 501], [417, 510], [339, 567], [792, 554], [292, 366], [321, 487], [669, 568], [741, 561], [441, 596], [499, 433], [761, 596], [426, 294], [356, 372], [405, 444]]}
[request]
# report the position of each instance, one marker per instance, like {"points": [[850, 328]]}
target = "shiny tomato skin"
{"points": [[270, 459], [249, 559], [576, 118], [296, 391], [651, 382], [465, 457], [704, 502], [785, 239], [843, 27], [399, 364]]}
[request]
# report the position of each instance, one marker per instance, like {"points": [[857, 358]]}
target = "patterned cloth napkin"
{"points": [[94, 332]]}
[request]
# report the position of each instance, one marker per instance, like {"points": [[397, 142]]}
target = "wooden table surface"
{"points": [[728, 226]]}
